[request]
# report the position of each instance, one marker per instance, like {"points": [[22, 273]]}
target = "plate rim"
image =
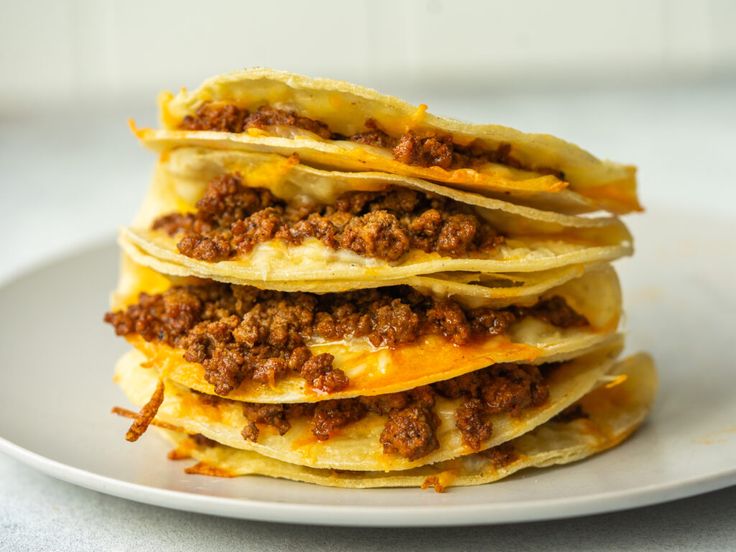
{"points": [[437, 515]]}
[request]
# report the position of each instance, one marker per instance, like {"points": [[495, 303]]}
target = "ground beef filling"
{"points": [[429, 149], [498, 389], [240, 333], [232, 219], [230, 118], [501, 456], [410, 420], [571, 413], [201, 441]]}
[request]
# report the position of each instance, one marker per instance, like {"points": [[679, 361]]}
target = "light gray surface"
{"points": [[64, 182]]}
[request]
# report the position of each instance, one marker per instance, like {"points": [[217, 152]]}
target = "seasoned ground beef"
{"points": [[502, 455], [202, 441], [498, 389], [229, 118], [512, 388], [219, 117], [428, 149], [240, 333], [571, 413], [494, 322], [472, 418], [434, 149], [410, 432], [250, 432], [210, 249], [448, 318], [557, 312], [374, 136], [320, 374], [329, 416], [232, 219], [410, 420], [273, 415], [376, 234]]}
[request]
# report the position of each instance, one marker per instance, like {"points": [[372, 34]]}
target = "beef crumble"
{"points": [[410, 420], [473, 420], [571, 413], [410, 432], [433, 149], [501, 455], [230, 118], [557, 312], [495, 390], [428, 149], [202, 441], [232, 219], [241, 333], [330, 416], [374, 136]]}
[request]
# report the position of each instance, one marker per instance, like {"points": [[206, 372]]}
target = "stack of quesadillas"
{"points": [[330, 285]]}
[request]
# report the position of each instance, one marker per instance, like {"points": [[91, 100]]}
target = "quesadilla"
{"points": [[275, 347], [329, 285], [343, 126], [250, 217], [399, 431], [599, 420]]}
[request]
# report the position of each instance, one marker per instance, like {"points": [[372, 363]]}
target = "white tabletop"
{"points": [[70, 177]]}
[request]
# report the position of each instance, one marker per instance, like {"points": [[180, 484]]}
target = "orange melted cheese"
{"points": [[618, 197], [371, 371], [432, 359]]}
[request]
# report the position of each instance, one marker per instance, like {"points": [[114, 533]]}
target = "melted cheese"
{"points": [[318, 98], [357, 446], [377, 370]]}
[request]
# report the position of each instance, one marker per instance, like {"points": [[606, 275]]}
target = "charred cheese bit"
{"points": [[146, 414]]}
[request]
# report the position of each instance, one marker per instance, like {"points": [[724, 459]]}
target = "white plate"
{"points": [[57, 358]]}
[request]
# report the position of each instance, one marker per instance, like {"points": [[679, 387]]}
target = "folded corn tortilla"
{"points": [[345, 108], [614, 411], [377, 370], [356, 446], [535, 240]]}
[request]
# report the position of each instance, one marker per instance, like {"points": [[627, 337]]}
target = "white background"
{"points": [[100, 50]]}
